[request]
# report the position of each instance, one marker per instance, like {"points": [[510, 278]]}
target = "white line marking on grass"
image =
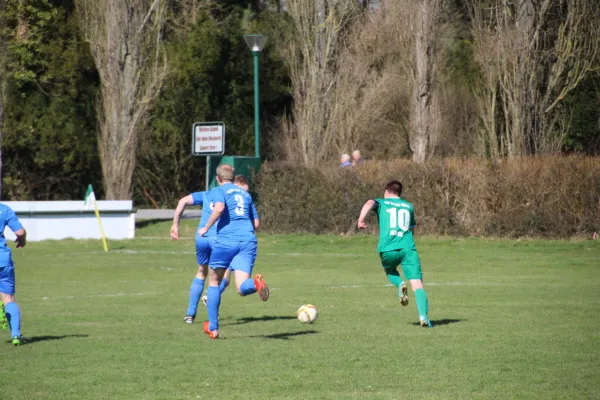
{"points": [[134, 252], [273, 289], [98, 295], [424, 284]]}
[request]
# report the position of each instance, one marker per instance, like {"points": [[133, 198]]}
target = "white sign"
{"points": [[208, 138]]}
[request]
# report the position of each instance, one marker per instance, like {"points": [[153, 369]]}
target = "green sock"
{"points": [[422, 304], [393, 276]]}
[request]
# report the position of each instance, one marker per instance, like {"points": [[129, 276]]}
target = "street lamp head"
{"points": [[256, 42]]}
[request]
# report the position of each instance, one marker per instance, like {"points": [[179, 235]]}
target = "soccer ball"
{"points": [[307, 314]]}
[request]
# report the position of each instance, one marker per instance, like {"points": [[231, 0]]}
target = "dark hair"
{"points": [[240, 179], [394, 187]]}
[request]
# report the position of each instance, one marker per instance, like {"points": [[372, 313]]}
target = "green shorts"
{"points": [[408, 258]]}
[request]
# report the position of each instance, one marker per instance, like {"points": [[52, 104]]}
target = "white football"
{"points": [[307, 313]]}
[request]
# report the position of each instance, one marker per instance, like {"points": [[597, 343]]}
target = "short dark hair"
{"points": [[394, 187], [240, 180]]}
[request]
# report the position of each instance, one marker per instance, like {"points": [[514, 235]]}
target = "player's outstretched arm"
{"points": [[21, 240], [368, 206], [181, 204]]}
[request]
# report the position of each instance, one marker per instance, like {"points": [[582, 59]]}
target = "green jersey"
{"points": [[395, 216]]}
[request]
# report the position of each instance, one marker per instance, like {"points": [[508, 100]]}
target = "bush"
{"points": [[546, 197]]}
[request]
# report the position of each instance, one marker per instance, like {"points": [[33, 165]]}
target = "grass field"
{"points": [[513, 319]]}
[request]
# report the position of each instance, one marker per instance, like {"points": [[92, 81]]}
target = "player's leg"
{"points": [[203, 249], [226, 277], [11, 309], [390, 261], [196, 289], [411, 268], [220, 258], [3, 320], [243, 265], [211, 327]]}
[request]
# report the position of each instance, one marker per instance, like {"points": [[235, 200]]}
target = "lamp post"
{"points": [[256, 43]]}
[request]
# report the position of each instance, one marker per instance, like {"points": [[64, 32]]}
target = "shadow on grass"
{"points": [[440, 322], [34, 339], [264, 318], [285, 335]]}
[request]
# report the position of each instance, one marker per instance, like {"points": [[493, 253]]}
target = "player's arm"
{"points": [[368, 206], [256, 220], [413, 222], [181, 204], [21, 235], [15, 225], [218, 209]]}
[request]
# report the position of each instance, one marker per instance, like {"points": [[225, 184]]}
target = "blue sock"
{"points": [[195, 293], [223, 285], [247, 287], [214, 301], [13, 315]]}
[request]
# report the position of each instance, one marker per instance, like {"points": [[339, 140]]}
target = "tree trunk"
{"points": [[126, 42], [425, 116]]}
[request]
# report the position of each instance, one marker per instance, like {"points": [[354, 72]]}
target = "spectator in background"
{"points": [[345, 160], [356, 158]]}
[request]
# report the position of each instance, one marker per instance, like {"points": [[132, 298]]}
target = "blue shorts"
{"points": [[240, 255], [7, 279], [203, 248]]}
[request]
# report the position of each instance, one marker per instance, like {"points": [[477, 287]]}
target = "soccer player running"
{"points": [[235, 239], [396, 244], [203, 243], [241, 181], [10, 315], [203, 246]]}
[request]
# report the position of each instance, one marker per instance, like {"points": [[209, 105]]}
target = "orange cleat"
{"points": [[261, 287], [211, 334]]}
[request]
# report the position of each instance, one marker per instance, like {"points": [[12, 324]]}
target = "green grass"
{"points": [[513, 319]]}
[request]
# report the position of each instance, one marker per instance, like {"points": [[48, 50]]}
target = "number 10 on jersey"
{"points": [[399, 221]]}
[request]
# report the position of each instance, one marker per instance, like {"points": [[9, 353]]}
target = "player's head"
{"points": [[241, 181], [356, 155], [225, 173], [345, 158], [393, 189]]}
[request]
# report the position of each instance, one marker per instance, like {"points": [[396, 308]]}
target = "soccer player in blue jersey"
{"points": [[204, 243], [241, 181], [10, 315], [235, 239], [203, 246]]}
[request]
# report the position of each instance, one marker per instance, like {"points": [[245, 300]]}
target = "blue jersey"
{"points": [[204, 199], [237, 221], [7, 218]]}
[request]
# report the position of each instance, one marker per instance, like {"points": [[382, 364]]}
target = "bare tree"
{"points": [[351, 80], [311, 54], [126, 41], [532, 54], [425, 116], [371, 105]]}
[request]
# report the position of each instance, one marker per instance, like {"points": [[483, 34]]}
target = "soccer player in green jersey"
{"points": [[396, 244]]}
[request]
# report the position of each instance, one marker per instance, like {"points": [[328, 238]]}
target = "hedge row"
{"points": [[554, 197]]}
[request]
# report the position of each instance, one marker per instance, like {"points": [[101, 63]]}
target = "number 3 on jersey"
{"points": [[399, 221], [239, 210]]}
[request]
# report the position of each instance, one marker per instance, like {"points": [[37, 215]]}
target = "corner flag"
{"points": [[90, 198], [90, 201]]}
